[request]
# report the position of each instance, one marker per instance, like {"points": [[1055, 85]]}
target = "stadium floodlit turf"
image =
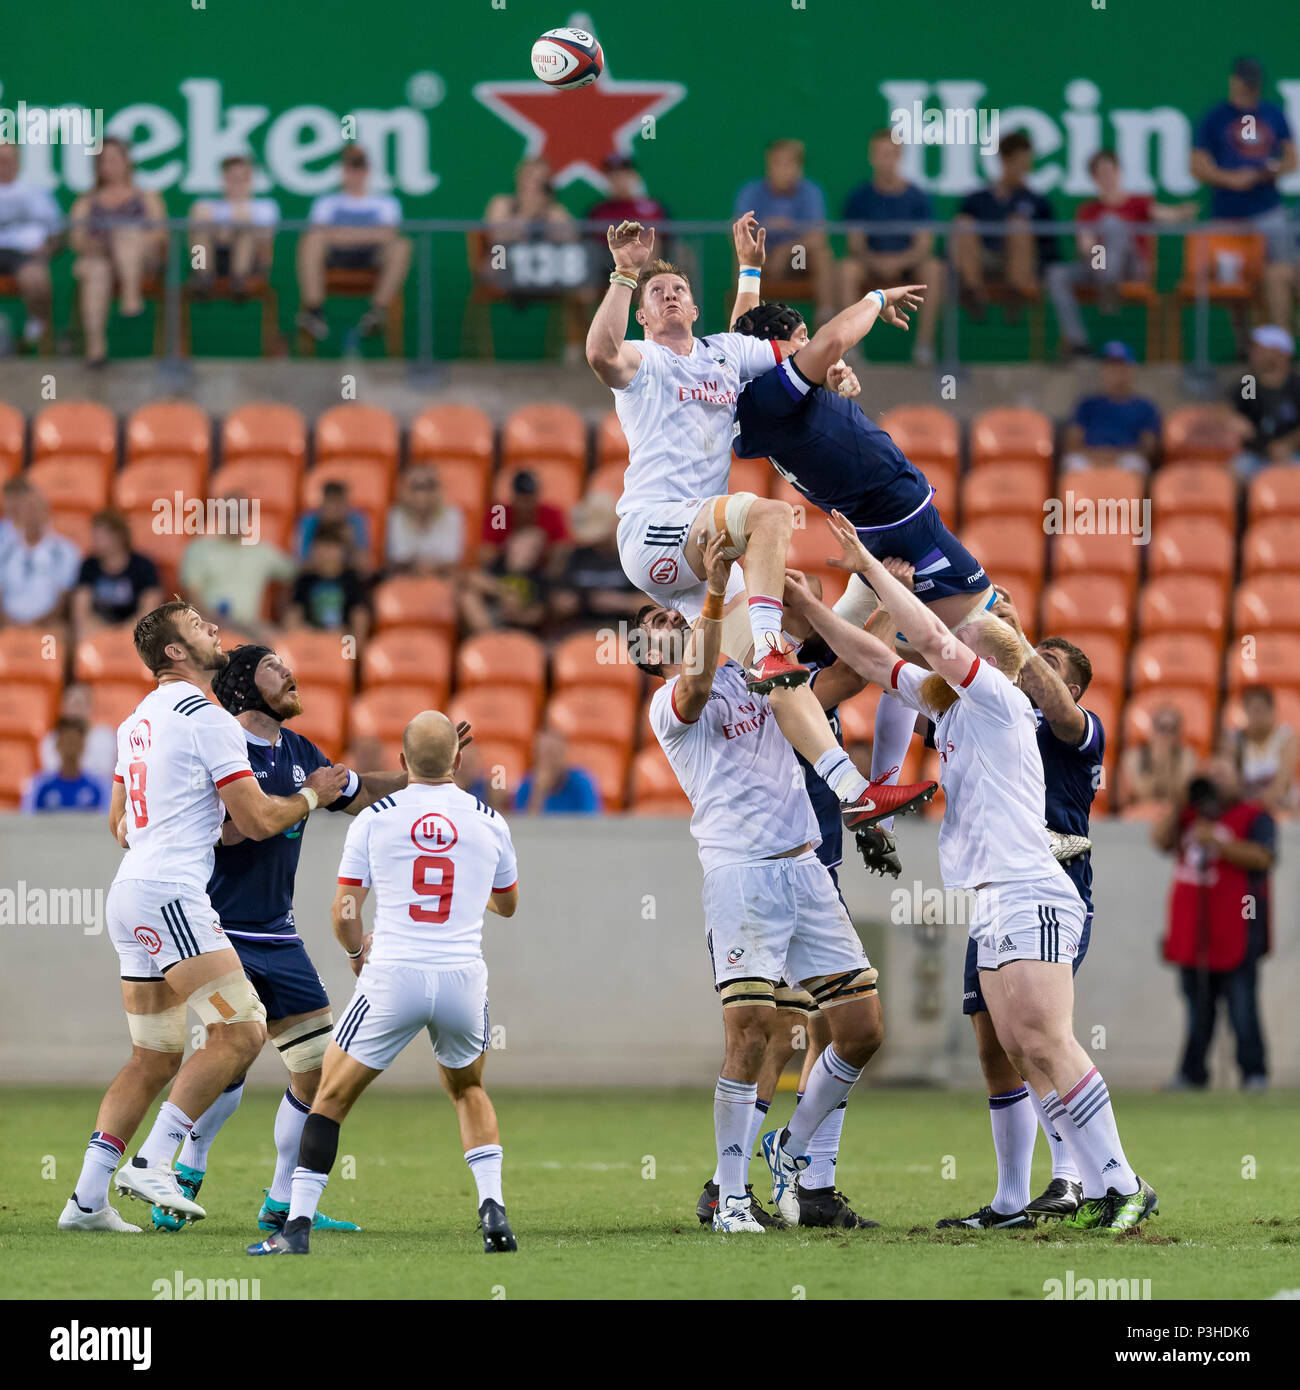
{"points": [[601, 1188]]}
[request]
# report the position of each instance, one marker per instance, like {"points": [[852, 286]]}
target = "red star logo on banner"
{"points": [[575, 132]]}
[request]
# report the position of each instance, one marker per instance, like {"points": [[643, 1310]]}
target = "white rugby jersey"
{"points": [[748, 792], [173, 752], [433, 854], [994, 826], [678, 413]]}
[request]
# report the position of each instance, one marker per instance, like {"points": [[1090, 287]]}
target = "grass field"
{"points": [[592, 1223]]}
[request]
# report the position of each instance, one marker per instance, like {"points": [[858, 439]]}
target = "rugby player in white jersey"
{"points": [[675, 396], [182, 763], [1027, 917], [438, 859], [771, 908]]}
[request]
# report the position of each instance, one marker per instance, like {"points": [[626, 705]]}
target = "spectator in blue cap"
{"points": [[1115, 427]]}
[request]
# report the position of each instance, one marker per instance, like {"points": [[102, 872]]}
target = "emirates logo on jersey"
{"points": [[434, 833]]}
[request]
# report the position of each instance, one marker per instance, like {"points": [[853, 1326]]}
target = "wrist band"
{"points": [[618, 277], [750, 277], [880, 294], [713, 607], [312, 799], [360, 951]]}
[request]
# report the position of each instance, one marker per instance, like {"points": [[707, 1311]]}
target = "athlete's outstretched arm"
{"points": [[704, 645], [259, 816], [609, 354], [834, 338], [1041, 683], [867, 655], [751, 253]]}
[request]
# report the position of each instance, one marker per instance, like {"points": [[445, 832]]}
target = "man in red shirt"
{"points": [[627, 201]]}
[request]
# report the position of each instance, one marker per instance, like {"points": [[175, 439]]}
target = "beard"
{"points": [[286, 706], [212, 660]]}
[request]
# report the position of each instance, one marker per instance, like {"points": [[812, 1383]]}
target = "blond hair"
{"points": [[658, 267], [989, 638]]}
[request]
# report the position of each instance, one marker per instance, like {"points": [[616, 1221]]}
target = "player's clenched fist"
{"points": [[328, 782]]}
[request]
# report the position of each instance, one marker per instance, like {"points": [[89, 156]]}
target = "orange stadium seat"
{"points": [[1274, 492], [535, 432], [409, 600], [560, 482], [370, 490], [606, 765], [1199, 432], [600, 714], [275, 482], [1193, 545], [265, 431], [752, 475], [18, 764], [811, 545], [111, 702], [611, 442], [1013, 545], [1273, 658], [73, 523], [858, 717], [501, 659], [165, 548], [1193, 489], [383, 713], [1269, 547], [170, 429], [927, 434], [1196, 705], [1106, 652], [503, 763], [608, 478], [465, 482], [1086, 603], [1112, 490], [28, 709], [409, 657], [451, 431], [13, 433], [1182, 603], [943, 478], [655, 788], [140, 484], [318, 659], [587, 660], [357, 431], [1004, 490], [1110, 554], [71, 484], [80, 428], [496, 712], [1011, 432], [324, 720], [1176, 658], [1266, 604], [109, 655]]}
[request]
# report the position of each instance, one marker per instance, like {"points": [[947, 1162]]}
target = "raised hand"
{"points": [[853, 556], [631, 245], [899, 299], [717, 568], [750, 239]]}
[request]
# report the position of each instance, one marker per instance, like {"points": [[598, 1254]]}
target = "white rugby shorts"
{"points": [[392, 1003], [153, 925], [1032, 920]]}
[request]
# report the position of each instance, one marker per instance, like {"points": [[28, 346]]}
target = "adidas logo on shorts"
{"points": [[1006, 944]]}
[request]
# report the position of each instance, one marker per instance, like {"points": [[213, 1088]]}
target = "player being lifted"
{"points": [[675, 396], [770, 906], [1027, 919], [179, 759], [437, 858]]}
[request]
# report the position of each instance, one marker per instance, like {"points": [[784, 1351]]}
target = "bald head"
{"points": [[429, 745]]}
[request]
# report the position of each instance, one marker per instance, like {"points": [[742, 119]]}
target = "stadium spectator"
{"points": [[1157, 770], [553, 786], [99, 757], [1109, 250], [626, 200], [793, 209], [234, 232], [1264, 752], [29, 226], [352, 230], [513, 587], [524, 512], [69, 787], [1218, 925], [116, 584], [38, 566], [114, 246], [328, 593], [893, 258], [228, 580], [1115, 427], [335, 510], [1266, 402], [593, 588], [530, 213], [1241, 149], [426, 533], [1010, 261]]}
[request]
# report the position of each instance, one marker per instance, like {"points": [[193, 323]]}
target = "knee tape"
{"points": [[792, 997], [228, 999], [751, 991], [164, 1032], [830, 990], [729, 517], [302, 1047]]}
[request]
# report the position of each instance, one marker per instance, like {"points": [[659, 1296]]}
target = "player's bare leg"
{"points": [[481, 1139]]}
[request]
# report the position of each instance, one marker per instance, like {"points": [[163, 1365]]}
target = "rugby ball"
{"points": [[567, 59]]}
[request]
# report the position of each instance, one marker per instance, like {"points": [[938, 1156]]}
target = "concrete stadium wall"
{"points": [[602, 977]]}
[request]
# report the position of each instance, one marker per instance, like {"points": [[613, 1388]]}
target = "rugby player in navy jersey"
{"points": [[825, 447], [252, 892]]}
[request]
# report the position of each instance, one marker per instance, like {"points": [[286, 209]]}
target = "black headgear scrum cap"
{"points": [[235, 685], [769, 320]]}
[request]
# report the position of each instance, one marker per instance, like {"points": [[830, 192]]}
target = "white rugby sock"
{"points": [[890, 739], [836, 769], [307, 1189], [103, 1154], [485, 1163], [824, 1149], [170, 1130], [194, 1152], [1014, 1131], [1063, 1166], [289, 1121], [1087, 1124], [761, 1107], [857, 603], [765, 624], [733, 1109], [829, 1082]]}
